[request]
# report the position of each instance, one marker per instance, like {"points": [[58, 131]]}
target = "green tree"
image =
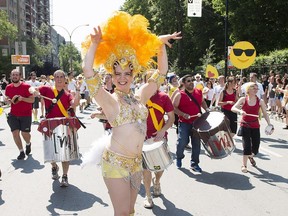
{"points": [[209, 56], [264, 23], [38, 48], [170, 16], [68, 52], [7, 28]]}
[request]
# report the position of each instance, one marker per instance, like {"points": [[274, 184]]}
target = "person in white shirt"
{"points": [[72, 82], [34, 83], [208, 93], [217, 91], [253, 78]]}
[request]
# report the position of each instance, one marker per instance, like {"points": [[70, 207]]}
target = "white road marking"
{"points": [[270, 152]]}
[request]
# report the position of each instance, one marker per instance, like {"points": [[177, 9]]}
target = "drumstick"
{"points": [[252, 115], [32, 90], [54, 100], [197, 115]]}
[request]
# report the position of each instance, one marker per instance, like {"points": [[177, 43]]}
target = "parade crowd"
{"points": [[141, 106]]}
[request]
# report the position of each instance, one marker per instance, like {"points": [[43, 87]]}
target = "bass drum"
{"points": [[60, 139], [214, 132]]}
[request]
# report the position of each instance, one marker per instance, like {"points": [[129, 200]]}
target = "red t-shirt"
{"points": [[21, 108], [228, 97], [165, 102], [187, 105], [65, 99], [253, 122]]}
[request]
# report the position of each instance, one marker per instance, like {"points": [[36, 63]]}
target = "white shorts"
{"points": [[272, 102]]}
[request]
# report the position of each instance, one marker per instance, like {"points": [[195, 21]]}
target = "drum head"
{"points": [[209, 121], [151, 146]]}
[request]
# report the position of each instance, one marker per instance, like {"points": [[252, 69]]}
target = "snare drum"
{"points": [[60, 139], [156, 156], [214, 132]]}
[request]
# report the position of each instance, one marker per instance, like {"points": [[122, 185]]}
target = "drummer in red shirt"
{"points": [[187, 104], [249, 107], [68, 102], [158, 105]]}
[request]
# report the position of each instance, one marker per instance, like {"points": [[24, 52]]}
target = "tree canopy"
{"points": [[6, 28], [264, 23]]}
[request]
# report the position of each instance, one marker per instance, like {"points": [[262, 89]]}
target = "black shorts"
{"points": [[36, 103], [22, 123]]}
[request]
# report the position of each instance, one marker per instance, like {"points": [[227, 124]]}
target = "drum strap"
{"points": [[194, 100], [53, 104], [151, 107], [59, 103]]}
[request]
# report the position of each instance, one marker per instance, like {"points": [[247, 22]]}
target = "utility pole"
{"points": [[70, 38]]}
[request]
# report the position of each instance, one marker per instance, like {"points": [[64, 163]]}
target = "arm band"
{"points": [[157, 78], [93, 83]]}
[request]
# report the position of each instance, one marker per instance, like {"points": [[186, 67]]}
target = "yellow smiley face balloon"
{"points": [[242, 54]]}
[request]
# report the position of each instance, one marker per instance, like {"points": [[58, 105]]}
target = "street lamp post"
{"points": [[70, 38]]}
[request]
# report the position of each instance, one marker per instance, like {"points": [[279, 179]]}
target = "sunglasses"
{"points": [[59, 77], [248, 52], [188, 81]]}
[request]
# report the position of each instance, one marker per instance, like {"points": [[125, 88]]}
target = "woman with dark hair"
{"points": [[208, 92], [228, 98]]}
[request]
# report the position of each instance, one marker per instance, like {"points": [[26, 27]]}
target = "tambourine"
{"points": [[269, 129]]}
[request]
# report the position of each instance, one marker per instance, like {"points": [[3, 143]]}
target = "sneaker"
{"points": [[188, 147], [86, 106], [148, 202], [41, 116], [196, 168], [28, 149], [286, 127], [21, 156], [179, 163], [64, 182], [55, 175]]}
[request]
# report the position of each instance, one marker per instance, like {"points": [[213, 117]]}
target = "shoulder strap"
{"points": [[59, 103], [151, 107], [53, 104], [194, 100]]}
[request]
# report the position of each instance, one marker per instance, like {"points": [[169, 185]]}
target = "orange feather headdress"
{"points": [[125, 40]]}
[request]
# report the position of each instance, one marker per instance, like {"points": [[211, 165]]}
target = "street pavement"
{"points": [[26, 187]]}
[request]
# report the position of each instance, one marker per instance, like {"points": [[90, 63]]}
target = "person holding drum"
{"points": [[64, 103], [125, 48], [227, 99], [249, 107], [158, 105], [187, 104], [20, 116]]}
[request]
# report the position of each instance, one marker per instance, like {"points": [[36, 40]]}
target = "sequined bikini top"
{"points": [[131, 111]]}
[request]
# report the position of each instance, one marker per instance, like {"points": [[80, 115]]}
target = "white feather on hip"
{"points": [[94, 155]]}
